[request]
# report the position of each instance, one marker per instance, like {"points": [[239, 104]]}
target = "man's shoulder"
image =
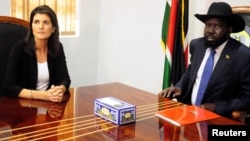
{"points": [[195, 40], [235, 42]]}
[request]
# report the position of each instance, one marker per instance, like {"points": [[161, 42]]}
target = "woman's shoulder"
{"points": [[60, 48]]}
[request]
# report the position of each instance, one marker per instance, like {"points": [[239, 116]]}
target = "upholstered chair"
{"points": [[11, 31]]}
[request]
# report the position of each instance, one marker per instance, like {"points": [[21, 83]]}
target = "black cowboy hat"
{"points": [[223, 11]]}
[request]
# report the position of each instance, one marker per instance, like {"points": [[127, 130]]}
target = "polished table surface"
{"points": [[74, 120]]}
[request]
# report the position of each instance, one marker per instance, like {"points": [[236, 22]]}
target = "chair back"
{"points": [[11, 31]]}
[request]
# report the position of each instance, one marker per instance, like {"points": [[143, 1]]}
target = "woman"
{"points": [[37, 65]]}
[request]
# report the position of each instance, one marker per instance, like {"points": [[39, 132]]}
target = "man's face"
{"points": [[216, 32]]}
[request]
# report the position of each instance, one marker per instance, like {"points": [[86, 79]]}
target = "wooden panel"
{"points": [[14, 21], [26, 119]]}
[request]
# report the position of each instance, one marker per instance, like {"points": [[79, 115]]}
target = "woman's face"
{"points": [[42, 27]]}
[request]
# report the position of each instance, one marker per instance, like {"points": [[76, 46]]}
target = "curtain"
{"points": [[65, 10]]}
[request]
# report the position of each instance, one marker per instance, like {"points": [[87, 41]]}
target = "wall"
{"points": [[130, 50], [130, 32], [120, 41], [201, 7]]}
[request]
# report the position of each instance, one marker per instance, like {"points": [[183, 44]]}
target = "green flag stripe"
{"points": [[167, 67]]}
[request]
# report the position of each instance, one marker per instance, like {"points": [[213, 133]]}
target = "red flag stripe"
{"points": [[172, 25]]}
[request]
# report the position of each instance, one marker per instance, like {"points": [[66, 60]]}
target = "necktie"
{"points": [[205, 77]]}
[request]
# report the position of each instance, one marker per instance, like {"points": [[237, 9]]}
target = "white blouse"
{"points": [[43, 76]]}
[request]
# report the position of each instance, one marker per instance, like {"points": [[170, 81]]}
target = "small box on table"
{"points": [[115, 111]]}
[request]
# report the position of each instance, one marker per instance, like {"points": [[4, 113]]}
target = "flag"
{"points": [[180, 53], [184, 31], [174, 31]]}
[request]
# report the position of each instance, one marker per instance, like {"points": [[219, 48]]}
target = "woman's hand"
{"points": [[56, 93], [56, 110]]}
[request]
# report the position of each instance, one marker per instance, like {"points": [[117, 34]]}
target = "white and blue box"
{"points": [[115, 110]]}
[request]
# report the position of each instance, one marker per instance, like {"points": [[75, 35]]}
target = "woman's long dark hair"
{"points": [[53, 41]]}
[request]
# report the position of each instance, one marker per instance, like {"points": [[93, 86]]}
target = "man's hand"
{"points": [[171, 92], [208, 106]]}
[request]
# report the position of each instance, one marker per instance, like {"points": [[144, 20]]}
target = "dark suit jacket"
{"points": [[229, 85], [22, 70]]}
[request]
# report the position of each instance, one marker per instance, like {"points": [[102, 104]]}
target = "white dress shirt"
{"points": [[199, 74]]}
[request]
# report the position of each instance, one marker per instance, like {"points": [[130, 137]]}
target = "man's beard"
{"points": [[216, 43]]}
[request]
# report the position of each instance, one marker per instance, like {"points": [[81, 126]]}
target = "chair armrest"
{"points": [[239, 116]]}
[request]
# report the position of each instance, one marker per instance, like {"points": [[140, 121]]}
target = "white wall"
{"points": [[129, 49], [82, 52], [201, 7], [120, 41]]}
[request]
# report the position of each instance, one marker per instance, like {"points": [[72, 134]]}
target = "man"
{"points": [[228, 88]]}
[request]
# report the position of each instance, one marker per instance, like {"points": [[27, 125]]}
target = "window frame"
{"points": [[68, 28]]}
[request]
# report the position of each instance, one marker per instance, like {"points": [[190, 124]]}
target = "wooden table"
{"points": [[25, 119]]}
